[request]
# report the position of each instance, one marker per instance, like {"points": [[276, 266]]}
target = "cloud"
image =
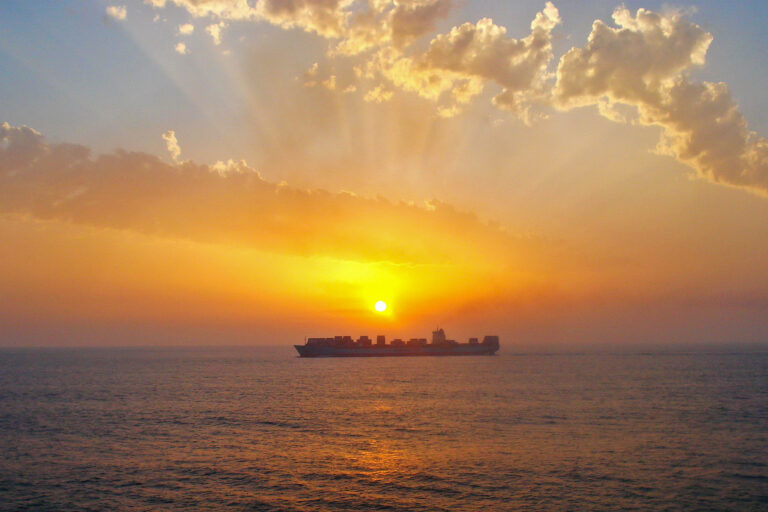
{"points": [[388, 23], [461, 62], [232, 166], [312, 78], [632, 62], [387, 27], [117, 12], [324, 17], [379, 94], [356, 26], [330, 83], [310, 75], [181, 48], [228, 9], [411, 20], [19, 146], [215, 30], [172, 144], [229, 203], [643, 63], [327, 18], [186, 29]]}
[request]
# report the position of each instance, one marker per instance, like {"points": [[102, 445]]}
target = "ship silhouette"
{"points": [[345, 346]]}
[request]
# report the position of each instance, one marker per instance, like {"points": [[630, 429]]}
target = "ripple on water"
{"points": [[258, 429]]}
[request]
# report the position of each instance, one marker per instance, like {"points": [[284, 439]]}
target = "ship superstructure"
{"points": [[345, 346]]}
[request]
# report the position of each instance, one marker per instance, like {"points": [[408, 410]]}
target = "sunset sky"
{"points": [[561, 174]]}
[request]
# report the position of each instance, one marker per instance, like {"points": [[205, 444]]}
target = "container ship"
{"points": [[345, 346]]}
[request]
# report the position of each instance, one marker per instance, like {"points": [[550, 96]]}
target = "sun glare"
{"points": [[380, 306]]}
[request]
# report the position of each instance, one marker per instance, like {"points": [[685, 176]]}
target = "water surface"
{"points": [[259, 429]]}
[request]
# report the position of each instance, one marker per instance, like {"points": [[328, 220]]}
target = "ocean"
{"points": [[258, 429]]}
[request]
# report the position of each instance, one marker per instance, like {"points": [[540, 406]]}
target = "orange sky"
{"points": [[555, 193]]}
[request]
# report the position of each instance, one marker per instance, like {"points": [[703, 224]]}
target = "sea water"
{"points": [[260, 429]]}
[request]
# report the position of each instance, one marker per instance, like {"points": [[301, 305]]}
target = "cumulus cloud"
{"points": [[172, 145], [643, 63], [313, 77], [389, 23], [228, 203], [379, 94], [186, 29], [327, 18], [632, 62], [355, 25], [181, 48], [117, 12], [312, 70], [215, 30], [223, 168], [330, 83], [411, 20], [461, 62], [19, 146], [388, 27], [324, 17], [229, 9]]}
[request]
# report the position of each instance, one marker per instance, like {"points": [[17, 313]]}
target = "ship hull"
{"points": [[406, 351]]}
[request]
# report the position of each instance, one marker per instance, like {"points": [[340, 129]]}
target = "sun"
{"points": [[380, 306]]}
